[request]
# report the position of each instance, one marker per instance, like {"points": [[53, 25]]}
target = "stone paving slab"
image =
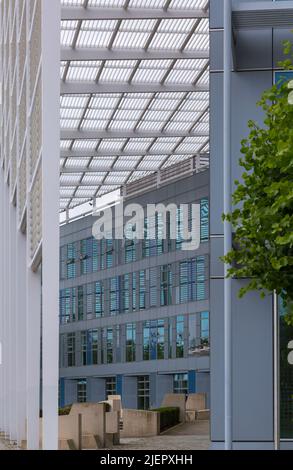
{"points": [[188, 436]]}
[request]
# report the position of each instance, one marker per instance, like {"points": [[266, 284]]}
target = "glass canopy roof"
{"points": [[134, 91]]}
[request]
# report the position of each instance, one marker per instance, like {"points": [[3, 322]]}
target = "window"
{"points": [[179, 337], [84, 348], [99, 299], [71, 260], [204, 220], [86, 255], [187, 287], [130, 245], [125, 293], [64, 302], [89, 299], [95, 255], [80, 303], [114, 296], [109, 253], [107, 334], [71, 350], [63, 262], [286, 375], [179, 225], [93, 344], [170, 339], [192, 280], [118, 343], [130, 342], [74, 304], [205, 329], [143, 392], [111, 386], [192, 330], [142, 290], [153, 287], [166, 285], [134, 292], [81, 391], [153, 340], [200, 278], [180, 383]]}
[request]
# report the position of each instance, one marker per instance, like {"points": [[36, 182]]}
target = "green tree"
{"points": [[263, 216]]}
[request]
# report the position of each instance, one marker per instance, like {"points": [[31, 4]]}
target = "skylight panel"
{"points": [[65, 144], [147, 4], [102, 162], [96, 33], [85, 192], [68, 29], [187, 4], [77, 162], [126, 163], [138, 145], [133, 34], [112, 145], [122, 125], [71, 179], [94, 178], [79, 71], [85, 144], [117, 178]]}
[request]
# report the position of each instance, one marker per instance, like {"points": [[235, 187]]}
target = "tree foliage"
{"points": [[263, 200]]}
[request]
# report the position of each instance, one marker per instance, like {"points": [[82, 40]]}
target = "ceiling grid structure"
{"points": [[134, 92]]}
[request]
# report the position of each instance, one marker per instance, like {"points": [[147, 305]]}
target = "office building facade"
{"points": [[261, 414], [134, 316]]}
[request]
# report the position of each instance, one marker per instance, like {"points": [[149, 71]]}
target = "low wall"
{"points": [[175, 400], [93, 419], [140, 423], [196, 402]]}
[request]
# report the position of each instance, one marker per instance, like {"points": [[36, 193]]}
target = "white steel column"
{"points": [[21, 333], [33, 358], [227, 225], [50, 249], [6, 317], [2, 373], [12, 322]]}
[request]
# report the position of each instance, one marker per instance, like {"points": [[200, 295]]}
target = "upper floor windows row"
{"points": [[161, 286], [91, 255], [169, 338]]}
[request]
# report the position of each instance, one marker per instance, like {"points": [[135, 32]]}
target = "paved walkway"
{"points": [[188, 436]]}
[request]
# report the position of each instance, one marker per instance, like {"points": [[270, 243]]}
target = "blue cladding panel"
{"points": [[62, 393], [192, 381], [119, 381]]}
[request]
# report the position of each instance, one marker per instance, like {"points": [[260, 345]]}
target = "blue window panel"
{"points": [[61, 393], [192, 381], [119, 385]]}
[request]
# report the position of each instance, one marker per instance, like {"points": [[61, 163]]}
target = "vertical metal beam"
{"points": [[277, 436], [12, 320], [227, 225], [51, 18], [33, 282], [33, 357], [21, 334]]}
